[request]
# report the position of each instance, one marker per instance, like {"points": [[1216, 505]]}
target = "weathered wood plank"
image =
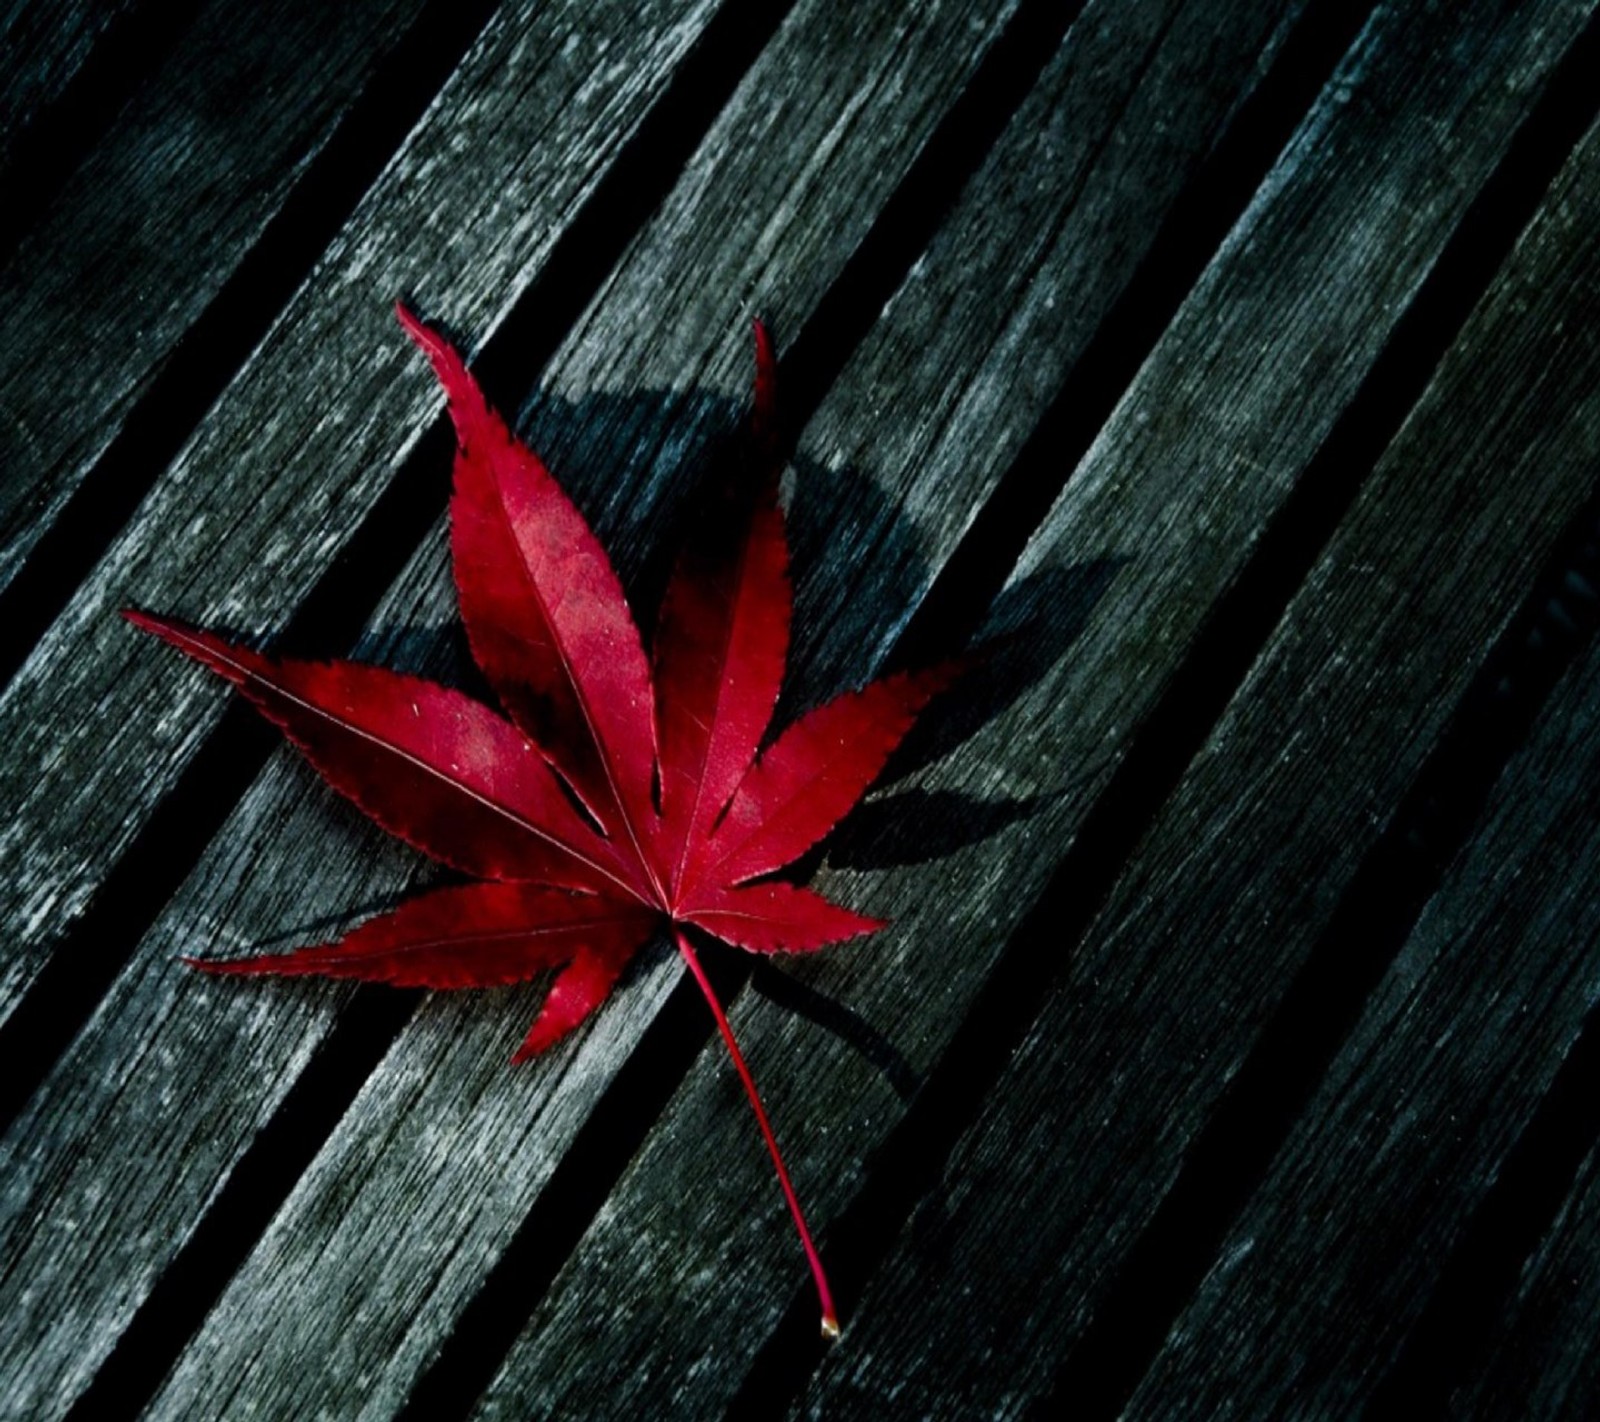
{"points": [[279, 475], [1542, 1361], [1462, 1038], [258, 504], [688, 1253], [145, 233], [1225, 900], [434, 1132], [45, 46], [766, 172]]}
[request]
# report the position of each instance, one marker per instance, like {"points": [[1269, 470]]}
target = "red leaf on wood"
{"points": [[476, 935], [429, 764], [591, 721]]}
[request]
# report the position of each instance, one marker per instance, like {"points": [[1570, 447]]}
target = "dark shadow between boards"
{"points": [[216, 345], [49, 139], [1432, 822]]}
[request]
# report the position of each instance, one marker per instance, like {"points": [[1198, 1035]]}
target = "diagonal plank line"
{"points": [[1476, 1282], [916, 210], [566, 1206], [1483, 1271], [1436, 817], [817, 355], [1377, 914], [252, 1194], [1201, 218]]}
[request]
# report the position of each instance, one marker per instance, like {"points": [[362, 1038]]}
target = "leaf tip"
{"points": [[261, 965], [468, 408], [144, 621], [428, 340], [764, 416], [763, 338], [214, 966], [539, 1039], [168, 629]]}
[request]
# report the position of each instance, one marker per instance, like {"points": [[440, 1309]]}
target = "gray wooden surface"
{"points": [[1229, 367], [1540, 1359], [48, 46], [144, 233]]}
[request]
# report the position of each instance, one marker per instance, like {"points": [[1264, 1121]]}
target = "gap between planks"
{"points": [[1237, 1167], [73, 66], [1536, 1357], [1471, 1314]]}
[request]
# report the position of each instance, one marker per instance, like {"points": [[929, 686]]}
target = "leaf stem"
{"points": [[830, 1319]]}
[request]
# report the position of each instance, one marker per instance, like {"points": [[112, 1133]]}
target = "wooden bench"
{"points": [[1230, 368]]}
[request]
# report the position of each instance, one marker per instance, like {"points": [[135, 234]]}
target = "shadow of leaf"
{"points": [[1032, 625], [916, 826], [847, 1025]]}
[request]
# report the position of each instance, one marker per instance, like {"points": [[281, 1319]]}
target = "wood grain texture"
{"points": [[112, 1165], [1038, 1206], [686, 1243], [47, 44], [1540, 1361], [1346, 1236], [978, 341], [443, 1115], [147, 230], [305, 439]]}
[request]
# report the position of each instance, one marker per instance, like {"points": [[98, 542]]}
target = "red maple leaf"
{"points": [[618, 797]]}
